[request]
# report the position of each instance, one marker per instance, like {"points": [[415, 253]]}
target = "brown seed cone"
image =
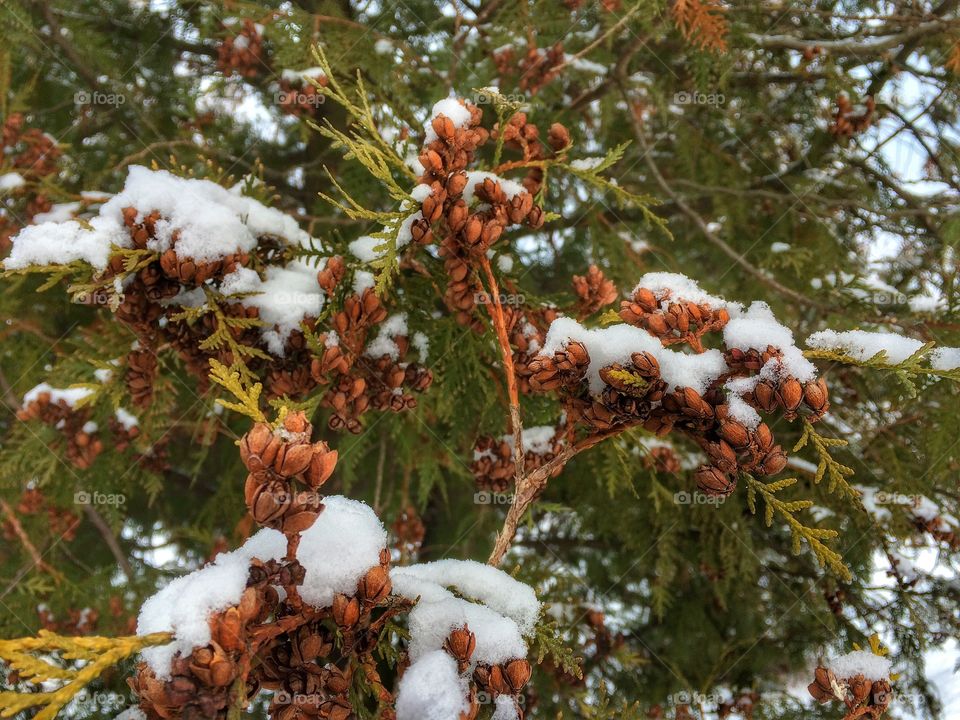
{"points": [[773, 462], [517, 674], [815, 397], [790, 394], [345, 610], [714, 483], [824, 687], [375, 585], [460, 644]]}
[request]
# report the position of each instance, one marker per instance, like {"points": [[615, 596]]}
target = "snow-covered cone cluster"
{"points": [[213, 274], [28, 156], [305, 606], [625, 375], [860, 680], [451, 636]]}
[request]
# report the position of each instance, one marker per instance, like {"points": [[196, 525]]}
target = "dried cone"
{"points": [[460, 644], [713, 482]]}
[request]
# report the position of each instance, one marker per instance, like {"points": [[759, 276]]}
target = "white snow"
{"points": [[505, 263], [510, 188], [422, 344], [421, 192], [11, 181], [338, 549], [755, 329], [394, 326], [432, 689], [491, 586], [616, 343], [90, 427], [362, 281], [363, 248], [945, 358], [450, 108], [284, 297], [60, 212], [588, 163], [862, 345], [682, 288], [126, 419], [536, 440], [212, 222], [509, 610], [383, 46], [861, 662], [506, 708], [70, 396], [185, 604]]}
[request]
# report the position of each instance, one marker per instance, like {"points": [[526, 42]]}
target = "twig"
{"points": [[729, 251], [110, 539], [500, 325], [28, 545]]}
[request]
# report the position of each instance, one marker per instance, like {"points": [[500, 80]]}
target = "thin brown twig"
{"points": [[28, 545]]}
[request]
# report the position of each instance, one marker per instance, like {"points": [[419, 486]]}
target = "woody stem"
{"points": [[500, 325], [530, 485]]}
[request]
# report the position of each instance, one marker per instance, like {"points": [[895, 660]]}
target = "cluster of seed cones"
{"points": [[306, 655], [492, 681], [354, 381], [850, 119], [635, 394], [240, 52], [33, 155], [301, 97], [61, 523], [494, 465], [863, 698], [83, 441], [465, 236], [534, 69]]}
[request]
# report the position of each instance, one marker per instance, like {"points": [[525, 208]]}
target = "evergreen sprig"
{"points": [[838, 472], [906, 371], [248, 396], [788, 509], [34, 659]]}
